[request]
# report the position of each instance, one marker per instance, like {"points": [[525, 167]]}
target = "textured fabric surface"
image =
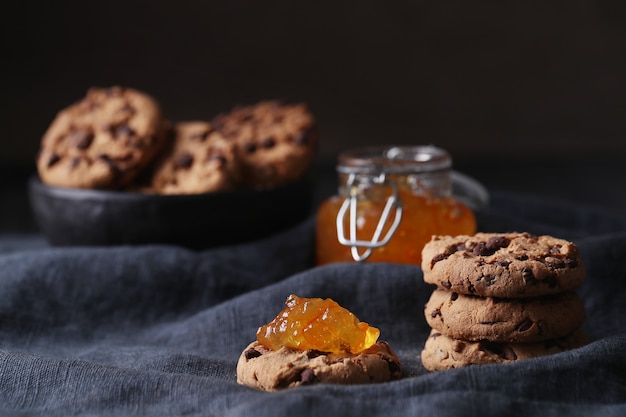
{"points": [[157, 330]]}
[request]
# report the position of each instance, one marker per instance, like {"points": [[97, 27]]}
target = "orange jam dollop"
{"points": [[318, 324]]}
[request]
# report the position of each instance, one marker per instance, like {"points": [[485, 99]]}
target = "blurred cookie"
{"points": [[276, 141], [504, 320], [273, 370], [103, 140], [502, 264], [441, 352], [198, 160]]}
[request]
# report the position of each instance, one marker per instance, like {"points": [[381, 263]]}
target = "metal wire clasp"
{"points": [[351, 203]]}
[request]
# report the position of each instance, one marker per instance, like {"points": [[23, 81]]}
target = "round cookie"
{"points": [[198, 160], [504, 320], [441, 352], [103, 140], [508, 265], [276, 141], [273, 370]]}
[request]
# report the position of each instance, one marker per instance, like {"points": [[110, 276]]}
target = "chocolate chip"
{"points": [[435, 335], [269, 143], [54, 158], [489, 279], [436, 312], [307, 376], [449, 251], [92, 105], [554, 263], [313, 353], [127, 108], [394, 367], [124, 130], [251, 354], [491, 246], [481, 249], [74, 163], [437, 258], [497, 242], [216, 157], [502, 350], [113, 166], [571, 263], [522, 257], [528, 276], [200, 136], [135, 142], [219, 122], [508, 353], [454, 296], [555, 250], [250, 148], [82, 139], [447, 285], [184, 161], [301, 138], [113, 91], [503, 264], [524, 325]]}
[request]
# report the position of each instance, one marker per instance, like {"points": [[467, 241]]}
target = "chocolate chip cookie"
{"points": [[276, 141], [508, 265], [273, 370], [198, 160], [102, 141], [469, 317], [441, 352]]}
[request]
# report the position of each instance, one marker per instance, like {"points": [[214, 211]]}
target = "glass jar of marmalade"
{"points": [[391, 201]]}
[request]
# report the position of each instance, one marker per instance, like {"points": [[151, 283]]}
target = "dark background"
{"points": [[527, 96]]}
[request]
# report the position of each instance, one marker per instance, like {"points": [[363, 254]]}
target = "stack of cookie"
{"points": [[501, 298]]}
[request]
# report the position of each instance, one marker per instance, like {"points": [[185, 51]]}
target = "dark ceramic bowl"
{"points": [[72, 217]]}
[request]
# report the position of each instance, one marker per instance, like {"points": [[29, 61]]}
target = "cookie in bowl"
{"points": [[102, 141], [198, 160], [276, 141]]}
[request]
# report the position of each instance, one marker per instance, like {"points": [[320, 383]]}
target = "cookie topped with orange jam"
{"points": [[315, 340], [316, 323]]}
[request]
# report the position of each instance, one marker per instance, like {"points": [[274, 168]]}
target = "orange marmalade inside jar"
{"points": [[391, 201], [319, 324]]}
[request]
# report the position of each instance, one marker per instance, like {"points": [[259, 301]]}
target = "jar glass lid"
{"points": [[394, 160]]}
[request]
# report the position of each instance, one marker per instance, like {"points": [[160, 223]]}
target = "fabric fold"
{"points": [[157, 330]]}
